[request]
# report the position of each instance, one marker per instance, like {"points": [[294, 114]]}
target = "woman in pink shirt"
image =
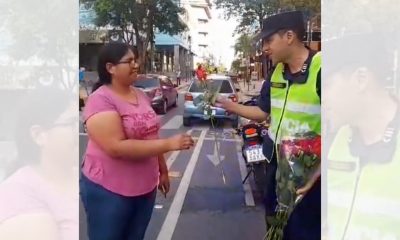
{"points": [[124, 162]]}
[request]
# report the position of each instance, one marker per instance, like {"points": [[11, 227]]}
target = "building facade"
{"points": [[198, 21]]}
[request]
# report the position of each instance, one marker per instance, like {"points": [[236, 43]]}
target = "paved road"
{"points": [[200, 205]]}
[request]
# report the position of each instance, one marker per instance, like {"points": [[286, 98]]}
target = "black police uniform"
{"points": [[306, 217]]}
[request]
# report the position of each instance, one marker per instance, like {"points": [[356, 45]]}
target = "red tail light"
{"points": [[233, 98], [158, 92], [188, 97], [252, 143], [250, 131]]}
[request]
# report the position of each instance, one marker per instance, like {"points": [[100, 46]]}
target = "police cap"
{"points": [[293, 20]]}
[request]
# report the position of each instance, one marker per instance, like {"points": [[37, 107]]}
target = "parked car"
{"points": [[160, 89], [227, 90]]}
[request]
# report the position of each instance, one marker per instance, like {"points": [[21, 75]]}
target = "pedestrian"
{"points": [[200, 73], [81, 74], [82, 80], [178, 77], [123, 163], [295, 81]]}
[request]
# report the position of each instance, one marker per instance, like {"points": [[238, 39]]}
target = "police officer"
{"points": [[294, 82], [364, 157]]}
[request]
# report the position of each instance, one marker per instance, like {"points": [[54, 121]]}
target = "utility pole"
{"points": [[152, 49]]}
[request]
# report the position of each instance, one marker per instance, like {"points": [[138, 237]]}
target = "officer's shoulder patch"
{"points": [[278, 85]]}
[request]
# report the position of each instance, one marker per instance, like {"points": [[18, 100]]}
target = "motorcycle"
{"points": [[252, 134]]}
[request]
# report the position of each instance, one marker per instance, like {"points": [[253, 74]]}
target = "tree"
{"points": [[140, 20], [358, 17], [311, 8], [209, 64], [235, 66], [221, 69], [39, 52], [252, 12], [244, 44]]}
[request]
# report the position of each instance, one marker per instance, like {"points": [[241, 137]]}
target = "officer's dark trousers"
{"points": [[305, 221]]}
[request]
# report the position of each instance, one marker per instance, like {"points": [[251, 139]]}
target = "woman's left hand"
{"points": [[163, 186]]}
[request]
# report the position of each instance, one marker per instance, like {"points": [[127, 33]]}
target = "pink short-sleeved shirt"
{"points": [[26, 192], [124, 176]]}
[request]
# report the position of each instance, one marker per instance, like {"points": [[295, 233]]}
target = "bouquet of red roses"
{"points": [[298, 158], [301, 154]]}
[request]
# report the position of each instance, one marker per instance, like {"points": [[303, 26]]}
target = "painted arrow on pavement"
{"points": [[214, 157]]}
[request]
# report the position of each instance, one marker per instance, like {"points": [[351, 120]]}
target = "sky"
{"points": [[221, 37]]}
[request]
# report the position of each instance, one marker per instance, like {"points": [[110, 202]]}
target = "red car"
{"points": [[160, 89]]}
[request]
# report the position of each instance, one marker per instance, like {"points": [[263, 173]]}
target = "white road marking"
{"points": [[223, 140], [248, 193], [201, 127], [174, 123], [168, 227], [214, 157], [171, 159]]}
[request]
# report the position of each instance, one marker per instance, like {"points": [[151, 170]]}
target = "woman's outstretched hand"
{"points": [[180, 142]]}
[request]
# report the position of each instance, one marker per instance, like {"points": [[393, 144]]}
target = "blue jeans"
{"points": [[112, 216]]}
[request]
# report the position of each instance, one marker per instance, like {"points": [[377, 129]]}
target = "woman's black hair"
{"points": [[110, 53]]}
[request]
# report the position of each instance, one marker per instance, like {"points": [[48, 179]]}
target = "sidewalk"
{"points": [[183, 85], [246, 93]]}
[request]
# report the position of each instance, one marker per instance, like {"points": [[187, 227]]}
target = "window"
{"points": [[226, 87], [203, 21]]}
